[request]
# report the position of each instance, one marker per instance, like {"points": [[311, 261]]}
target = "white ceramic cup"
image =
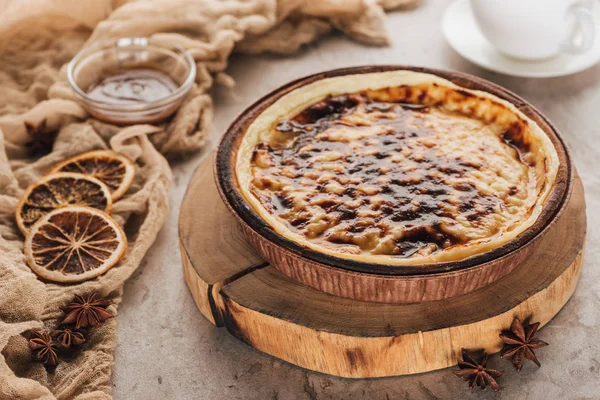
{"points": [[536, 29]]}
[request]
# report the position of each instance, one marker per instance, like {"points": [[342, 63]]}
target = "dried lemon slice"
{"points": [[73, 244], [57, 191], [113, 169]]}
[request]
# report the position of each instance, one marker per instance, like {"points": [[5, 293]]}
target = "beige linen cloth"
{"points": [[41, 124]]}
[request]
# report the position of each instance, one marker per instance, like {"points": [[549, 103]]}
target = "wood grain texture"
{"points": [[390, 354], [279, 316], [213, 248], [376, 282]]}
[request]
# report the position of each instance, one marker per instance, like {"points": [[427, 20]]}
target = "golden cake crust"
{"points": [[397, 168]]}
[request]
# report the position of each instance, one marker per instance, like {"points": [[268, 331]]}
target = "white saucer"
{"points": [[462, 33]]}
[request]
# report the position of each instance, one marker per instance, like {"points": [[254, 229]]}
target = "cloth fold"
{"points": [[41, 124]]}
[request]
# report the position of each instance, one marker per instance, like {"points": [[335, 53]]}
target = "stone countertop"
{"points": [[167, 350]]}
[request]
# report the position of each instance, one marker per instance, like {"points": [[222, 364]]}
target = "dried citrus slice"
{"points": [[112, 168], [57, 191], [73, 244]]}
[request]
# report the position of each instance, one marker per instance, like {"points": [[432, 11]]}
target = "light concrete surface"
{"points": [[167, 350]]}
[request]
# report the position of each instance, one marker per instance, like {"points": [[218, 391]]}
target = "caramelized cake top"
{"points": [[403, 174]]}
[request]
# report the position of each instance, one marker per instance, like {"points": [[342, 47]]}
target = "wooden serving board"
{"points": [[267, 310]]}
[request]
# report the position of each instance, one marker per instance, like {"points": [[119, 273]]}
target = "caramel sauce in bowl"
{"points": [[131, 80], [133, 86]]}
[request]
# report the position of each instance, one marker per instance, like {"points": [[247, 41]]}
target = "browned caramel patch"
{"points": [[391, 172]]}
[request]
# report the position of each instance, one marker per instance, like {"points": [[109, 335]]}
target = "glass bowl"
{"points": [[93, 65]]}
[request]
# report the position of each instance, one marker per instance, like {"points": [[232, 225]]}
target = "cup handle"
{"points": [[582, 25]]}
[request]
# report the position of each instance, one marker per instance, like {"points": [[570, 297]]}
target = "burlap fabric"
{"points": [[41, 124]]}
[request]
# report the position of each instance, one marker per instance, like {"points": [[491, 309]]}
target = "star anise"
{"points": [[68, 337], [43, 348], [476, 372], [42, 137], [86, 311], [37, 132], [520, 342]]}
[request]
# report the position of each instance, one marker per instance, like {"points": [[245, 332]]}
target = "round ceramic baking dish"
{"points": [[378, 282]]}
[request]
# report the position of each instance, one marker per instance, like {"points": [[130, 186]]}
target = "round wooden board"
{"points": [[259, 305]]}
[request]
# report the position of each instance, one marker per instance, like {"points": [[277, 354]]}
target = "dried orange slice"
{"points": [[110, 167], [57, 191], [73, 244]]}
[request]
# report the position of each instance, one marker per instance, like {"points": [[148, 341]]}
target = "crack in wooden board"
{"points": [[213, 249], [209, 234]]}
